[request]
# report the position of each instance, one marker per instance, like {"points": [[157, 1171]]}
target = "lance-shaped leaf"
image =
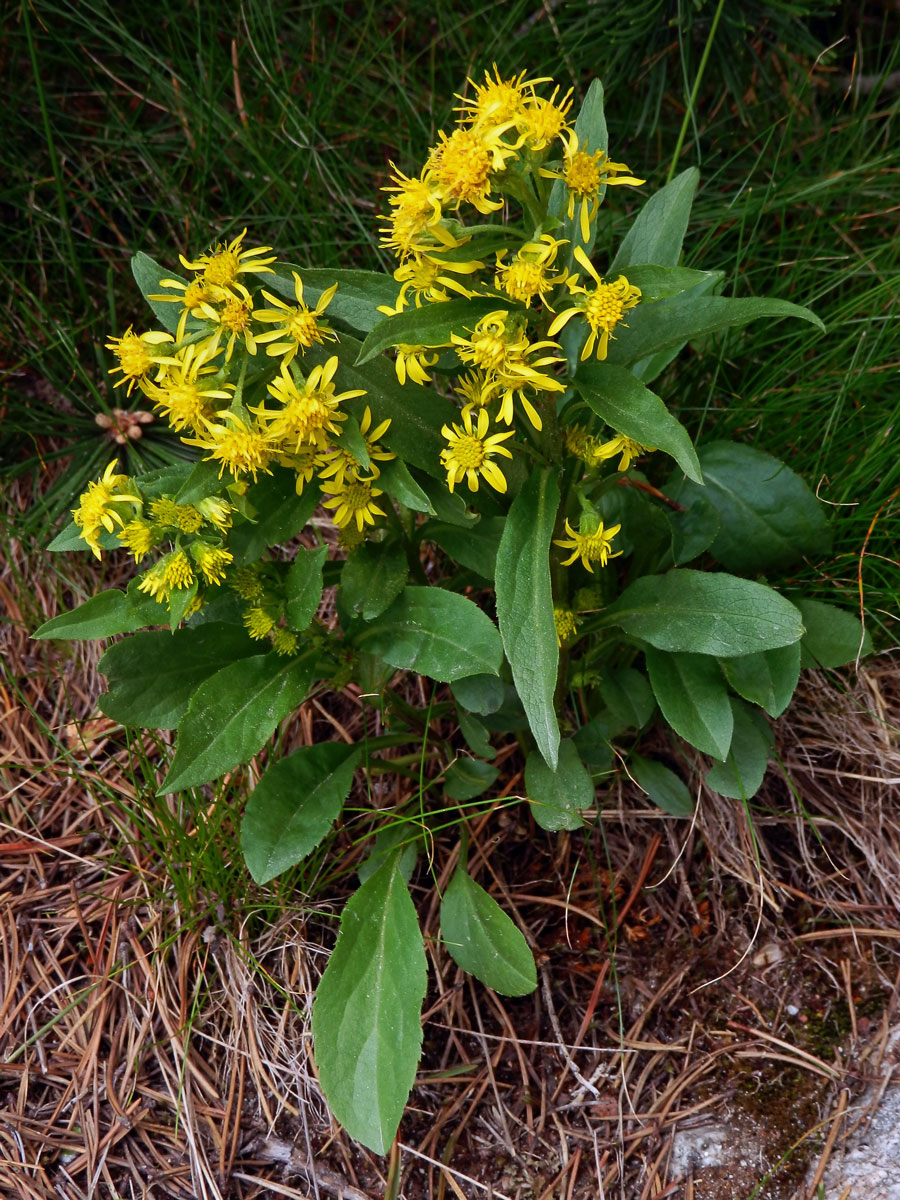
{"points": [[705, 613], [69, 538], [152, 676], [483, 940], [633, 410], [373, 578], [303, 586], [430, 325], [663, 786], [356, 301], [693, 697], [657, 234], [396, 480], [525, 605], [662, 283], [740, 776], [557, 796], [767, 679], [366, 1017], [475, 548], [652, 328], [293, 806], [106, 614], [436, 633], [833, 638], [147, 275], [233, 713]]}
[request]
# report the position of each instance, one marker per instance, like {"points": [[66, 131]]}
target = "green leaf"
{"points": [[476, 735], [657, 234], [592, 741], [663, 786], [366, 1017], [355, 302], [525, 605], [767, 679], [402, 835], [740, 776], [280, 515], [147, 275], [106, 614], [294, 805], [475, 547], [652, 328], [631, 409], [694, 530], [557, 796], [351, 439], [693, 698], [478, 693], [69, 538], [179, 602], [590, 126], [769, 518], [152, 676], [303, 586], [436, 633], [833, 638], [469, 777], [662, 283], [417, 414], [373, 577], [650, 368], [483, 940], [397, 481], [450, 508], [233, 713], [203, 481], [430, 325], [705, 613], [626, 693]]}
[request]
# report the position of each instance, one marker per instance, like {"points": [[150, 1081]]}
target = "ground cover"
{"points": [[155, 1015]]}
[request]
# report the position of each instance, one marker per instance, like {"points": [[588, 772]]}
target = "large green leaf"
{"points": [[627, 695], [652, 328], [693, 697], [233, 712], [373, 577], [203, 481], [557, 796], [147, 275], [396, 480], [525, 605], [430, 325], [768, 517], [303, 586], [366, 1017], [106, 614], [663, 786], [69, 538], [469, 777], [624, 403], [356, 301], [833, 638], [767, 679], [293, 806], [662, 283], [280, 514], [478, 693], [740, 776], [152, 676], [475, 547], [483, 940], [436, 633], [657, 234], [705, 613]]}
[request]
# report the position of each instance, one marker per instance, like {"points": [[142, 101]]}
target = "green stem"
{"points": [[694, 90]]}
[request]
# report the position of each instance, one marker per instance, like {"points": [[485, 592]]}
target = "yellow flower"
{"points": [[475, 390], [193, 295], [411, 363], [95, 509], [530, 273], [462, 164], [541, 122], [138, 537], [603, 307], [354, 501], [566, 624], [627, 447], [582, 444], [470, 452], [499, 347], [222, 265], [298, 325], [349, 537], [591, 546], [185, 517], [258, 623], [137, 353], [427, 278], [173, 572], [185, 394], [234, 320], [307, 415], [415, 222], [497, 101], [216, 511], [284, 641], [212, 561], [338, 464], [240, 447], [584, 175]]}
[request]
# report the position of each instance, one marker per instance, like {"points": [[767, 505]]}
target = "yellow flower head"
{"points": [[592, 545], [497, 101], [309, 414], [98, 507], [470, 452], [216, 511], [349, 537], [212, 561], [186, 393], [530, 273], [138, 537], [247, 583], [137, 353], [627, 447], [241, 448], [541, 121], [222, 265], [185, 517], [173, 572], [412, 362], [354, 502], [462, 165], [338, 463], [258, 623], [582, 444], [428, 279], [194, 295], [234, 321], [415, 220], [475, 390], [602, 307], [566, 624], [284, 641], [297, 326], [585, 175]]}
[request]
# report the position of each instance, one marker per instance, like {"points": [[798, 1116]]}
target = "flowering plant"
{"points": [[515, 433]]}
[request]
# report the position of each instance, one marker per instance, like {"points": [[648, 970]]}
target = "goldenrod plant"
{"points": [[490, 398]]}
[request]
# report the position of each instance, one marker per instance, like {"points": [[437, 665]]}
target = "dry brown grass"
{"points": [[728, 969]]}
